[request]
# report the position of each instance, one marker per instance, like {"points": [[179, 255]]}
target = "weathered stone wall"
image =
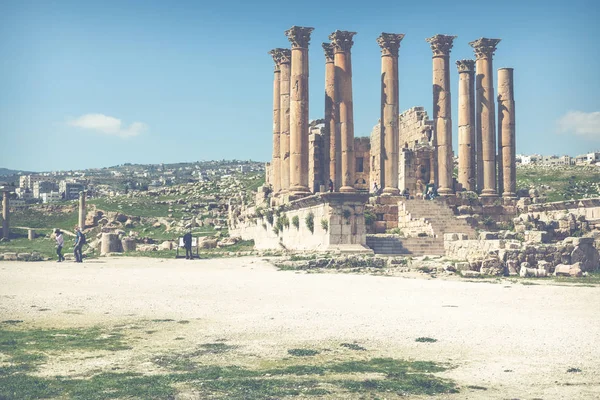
{"points": [[507, 255], [590, 208], [414, 127], [362, 154], [343, 227]]}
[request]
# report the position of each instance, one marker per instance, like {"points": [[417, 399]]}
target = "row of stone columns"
{"points": [[477, 138]]}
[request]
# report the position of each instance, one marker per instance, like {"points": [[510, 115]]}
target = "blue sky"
{"points": [[98, 83]]}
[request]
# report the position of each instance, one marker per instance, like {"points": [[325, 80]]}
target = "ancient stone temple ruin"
{"points": [[321, 179]]}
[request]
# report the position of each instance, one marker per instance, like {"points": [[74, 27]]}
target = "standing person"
{"points": [[375, 188], [79, 241], [187, 243], [330, 186], [60, 242]]}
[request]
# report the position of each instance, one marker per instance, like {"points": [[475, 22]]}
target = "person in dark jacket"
{"points": [[187, 243], [79, 241]]}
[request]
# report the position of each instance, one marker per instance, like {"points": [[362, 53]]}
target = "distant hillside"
{"points": [[9, 172]]}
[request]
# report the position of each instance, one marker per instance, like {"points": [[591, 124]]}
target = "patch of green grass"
{"points": [[303, 352], [425, 340], [353, 346]]}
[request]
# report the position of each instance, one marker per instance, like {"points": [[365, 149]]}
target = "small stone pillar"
{"points": [[5, 214], [506, 134], [466, 124], [275, 162], [300, 38], [110, 243], [128, 244], [331, 140], [486, 114], [284, 119], [342, 44], [82, 209], [441, 45], [390, 44], [30, 234]]}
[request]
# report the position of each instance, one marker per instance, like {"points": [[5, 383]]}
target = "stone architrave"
{"points": [[486, 114], [5, 214], [300, 38], [276, 161], [390, 44], [466, 124], [331, 140], [506, 134], [342, 44], [284, 118], [441, 45], [82, 212]]}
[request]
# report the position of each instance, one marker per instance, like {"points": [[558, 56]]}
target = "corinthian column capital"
{"points": [[299, 36], [484, 47], [278, 55], [390, 43], [328, 48], [342, 41], [441, 44], [465, 66]]}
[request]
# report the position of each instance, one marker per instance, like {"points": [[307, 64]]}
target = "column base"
{"points": [[390, 191], [488, 193], [347, 189], [445, 192], [299, 190], [509, 195]]}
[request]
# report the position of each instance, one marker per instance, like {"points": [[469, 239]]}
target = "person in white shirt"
{"points": [[60, 241]]}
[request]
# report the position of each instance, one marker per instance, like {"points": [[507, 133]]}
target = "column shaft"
{"points": [[284, 122], [5, 216], [276, 160], [390, 44], [441, 46], [331, 141], [342, 42], [506, 133], [486, 113], [82, 212], [466, 124], [300, 37]]}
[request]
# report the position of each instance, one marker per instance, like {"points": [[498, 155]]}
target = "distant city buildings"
{"points": [[592, 158]]}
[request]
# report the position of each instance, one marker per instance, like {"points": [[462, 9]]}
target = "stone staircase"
{"points": [[424, 222], [396, 245], [433, 218]]}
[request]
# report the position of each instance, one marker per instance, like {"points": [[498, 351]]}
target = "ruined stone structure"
{"points": [[406, 152]]}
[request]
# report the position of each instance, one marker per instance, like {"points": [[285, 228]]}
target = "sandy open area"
{"points": [[518, 341]]}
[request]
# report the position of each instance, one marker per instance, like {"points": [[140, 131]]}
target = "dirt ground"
{"points": [[517, 341]]}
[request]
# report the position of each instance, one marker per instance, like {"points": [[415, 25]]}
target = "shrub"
{"points": [[324, 224], [370, 217], [296, 221], [310, 222], [285, 221], [269, 215]]}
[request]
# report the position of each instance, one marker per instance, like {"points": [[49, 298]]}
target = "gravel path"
{"points": [[518, 341]]}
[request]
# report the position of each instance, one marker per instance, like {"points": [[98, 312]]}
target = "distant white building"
{"points": [[51, 197]]}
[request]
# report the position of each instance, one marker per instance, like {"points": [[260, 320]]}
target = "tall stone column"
{"points": [[342, 44], [486, 114], [299, 37], [390, 44], [331, 141], [276, 161], [441, 45], [506, 134], [82, 212], [284, 118], [5, 216], [466, 124]]}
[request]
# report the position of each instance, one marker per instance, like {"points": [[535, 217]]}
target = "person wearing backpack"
{"points": [[79, 242]]}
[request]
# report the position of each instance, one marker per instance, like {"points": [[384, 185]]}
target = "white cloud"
{"points": [[108, 125], [580, 123]]}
